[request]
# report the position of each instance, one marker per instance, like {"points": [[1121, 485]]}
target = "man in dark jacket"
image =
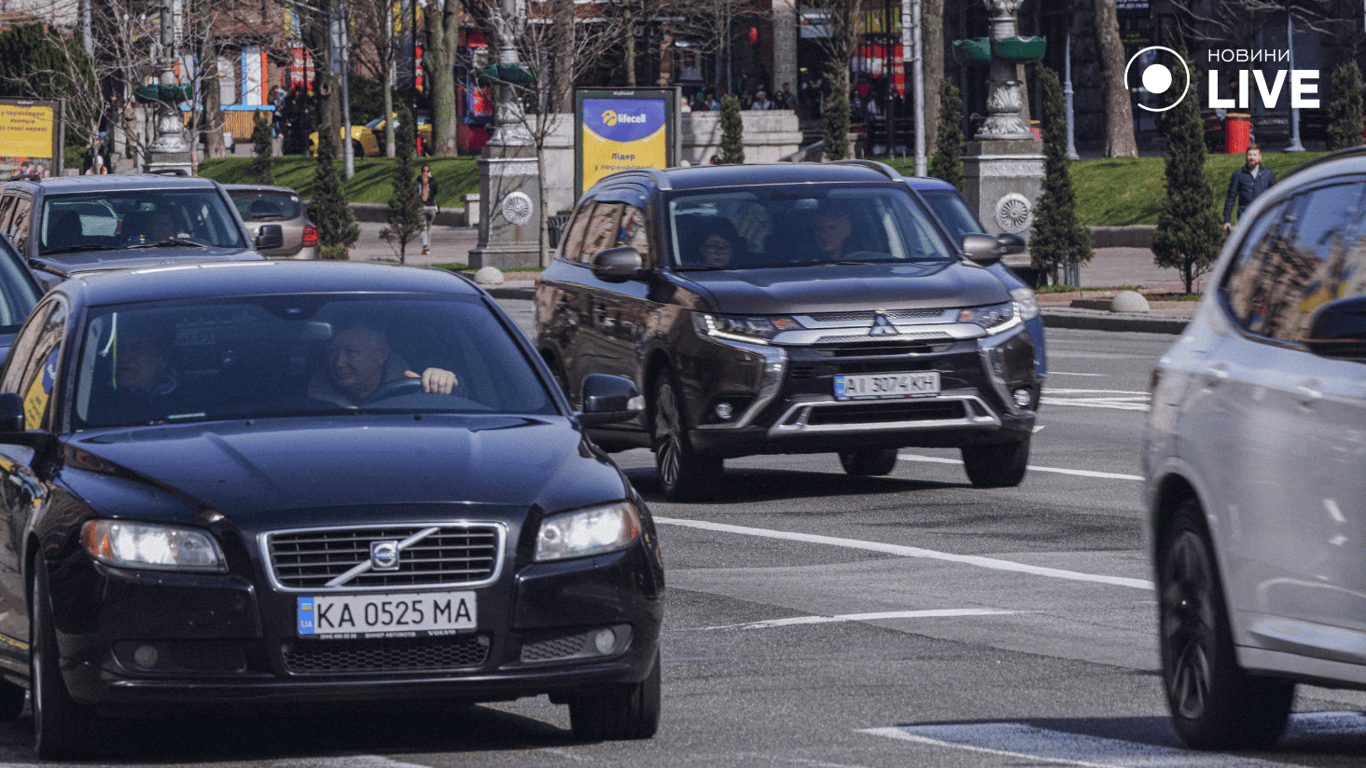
{"points": [[1247, 184]]}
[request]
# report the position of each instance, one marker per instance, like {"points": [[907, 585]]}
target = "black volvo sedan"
{"points": [[291, 482]]}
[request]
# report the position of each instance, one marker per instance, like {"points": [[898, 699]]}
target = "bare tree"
{"points": [[375, 32], [1119, 117]]}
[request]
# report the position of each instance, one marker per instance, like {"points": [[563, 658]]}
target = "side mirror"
{"points": [[270, 236], [11, 412], [617, 264], [981, 249], [609, 399], [1339, 329], [1010, 243]]}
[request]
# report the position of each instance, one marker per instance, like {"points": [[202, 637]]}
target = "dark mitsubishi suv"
{"points": [[792, 308]]}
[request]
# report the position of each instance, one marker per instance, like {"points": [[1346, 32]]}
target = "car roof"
{"points": [[258, 188], [112, 182], [928, 182], [714, 176], [260, 278]]}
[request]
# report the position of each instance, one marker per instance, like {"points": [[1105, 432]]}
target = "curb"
{"points": [[1127, 322]]}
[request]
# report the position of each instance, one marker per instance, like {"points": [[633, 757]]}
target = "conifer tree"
{"points": [[329, 210], [1189, 234], [837, 115], [732, 131], [405, 205], [1057, 235], [947, 163], [1344, 113], [263, 147]]}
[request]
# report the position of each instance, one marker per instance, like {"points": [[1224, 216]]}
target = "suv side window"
{"points": [[635, 232], [1317, 255], [601, 232], [6, 209], [1242, 286], [18, 225], [34, 360], [572, 247]]}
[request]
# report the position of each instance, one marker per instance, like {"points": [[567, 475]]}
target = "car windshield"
{"points": [[953, 212], [374, 122], [265, 205], [283, 356], [779, 226], [130, 218]]}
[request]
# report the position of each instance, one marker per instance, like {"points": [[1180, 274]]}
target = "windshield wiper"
{"points": [[170, 244], [75, 248]]}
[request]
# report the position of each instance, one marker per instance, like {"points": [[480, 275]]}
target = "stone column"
{"points": [[785, 46], [1003, 166]]}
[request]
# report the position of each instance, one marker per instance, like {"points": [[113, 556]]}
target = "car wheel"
{"points": [[868, 462], [682, 473], [996, 465], [62, 728], [1214, 703], [622, 712]]}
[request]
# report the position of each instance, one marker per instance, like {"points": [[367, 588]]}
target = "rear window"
{"points": [[120, 219], [266, 206]]}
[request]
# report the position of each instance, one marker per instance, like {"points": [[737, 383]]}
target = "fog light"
{"points": [[146, 656], [1022, 398], [724, 411], [604, 640]]}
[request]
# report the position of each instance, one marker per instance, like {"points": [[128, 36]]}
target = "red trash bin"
{"points": [[1237, 133]]}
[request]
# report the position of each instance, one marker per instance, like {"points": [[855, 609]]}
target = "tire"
{"points": [[624, 712], [683, 474], [62, 729], [1214, 703], [996, 465], [868, 462]]}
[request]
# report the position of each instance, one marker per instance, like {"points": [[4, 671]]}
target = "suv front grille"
{"points": [[867, 316], [877, 413], [429, 555], [323, 657]]}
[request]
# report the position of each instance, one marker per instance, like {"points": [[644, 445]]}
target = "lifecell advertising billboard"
{"points": [[623, 128], [30, 137]]}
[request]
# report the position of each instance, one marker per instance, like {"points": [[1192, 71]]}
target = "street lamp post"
{"points": [[170, 149]]}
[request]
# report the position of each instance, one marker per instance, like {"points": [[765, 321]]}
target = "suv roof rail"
{"points": [[170, 172], [660, 179], [882, 168], [25, 177], [1357, 151]]}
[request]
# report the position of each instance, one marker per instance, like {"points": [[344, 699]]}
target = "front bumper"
{"points": [[221, 639]]}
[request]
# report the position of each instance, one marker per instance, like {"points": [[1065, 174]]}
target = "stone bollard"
{"points": [[1129, 301]]}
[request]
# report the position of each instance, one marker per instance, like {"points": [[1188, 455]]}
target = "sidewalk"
{"points": [[1110, 268]]}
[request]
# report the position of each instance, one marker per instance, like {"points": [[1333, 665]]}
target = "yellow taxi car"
{"points": [[368, 140]]}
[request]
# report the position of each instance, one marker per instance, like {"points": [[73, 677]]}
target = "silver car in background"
{"points": [[1254, 458], [262, 204]]}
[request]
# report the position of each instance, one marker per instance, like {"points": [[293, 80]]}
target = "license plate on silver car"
{"points": [[879, 386], [412, 614]]}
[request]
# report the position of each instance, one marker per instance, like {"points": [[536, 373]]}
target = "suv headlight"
{"points": [[995, 318], [755, 329], [1026, 306], [157, 547], [591, 531]]}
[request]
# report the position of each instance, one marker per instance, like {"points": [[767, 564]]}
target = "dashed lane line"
{"points": [[1032, 468], [882, 616]]}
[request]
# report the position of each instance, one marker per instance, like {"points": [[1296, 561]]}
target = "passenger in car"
{"points": [[832, 227], [361, 364], [720, 244], [143, 385]]}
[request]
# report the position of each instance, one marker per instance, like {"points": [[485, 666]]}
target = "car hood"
{"points": [[246, 469], [831, 287], [68, 264]]}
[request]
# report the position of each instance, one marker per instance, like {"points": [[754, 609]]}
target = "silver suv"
{"points": [[1253, 460]]}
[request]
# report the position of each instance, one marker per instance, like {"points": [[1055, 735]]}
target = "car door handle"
{"points": [[1309, 393], [1215, 374]]}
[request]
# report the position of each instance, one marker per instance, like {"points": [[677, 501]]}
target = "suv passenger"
{"points": [[793, 308], [71, 224], [1253, 459]]}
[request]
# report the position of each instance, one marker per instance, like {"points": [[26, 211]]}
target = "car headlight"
{"points": [[591, 531], [755, 329], [158, 547], [994, 318], [1026, 306]]}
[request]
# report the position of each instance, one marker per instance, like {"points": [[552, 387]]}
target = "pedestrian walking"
{"points": [[427, 187], [1246, 184]]}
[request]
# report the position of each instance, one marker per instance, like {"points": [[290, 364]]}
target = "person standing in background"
{"points": [[1246, 184], [427, 188]]}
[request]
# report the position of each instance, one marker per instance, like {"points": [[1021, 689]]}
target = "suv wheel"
{"points": [[996, 465], [618, 713], [1214, 703], [868, 462], [682, 473]]}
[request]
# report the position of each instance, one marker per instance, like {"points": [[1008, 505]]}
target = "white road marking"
{"points": [[1032, 468], [800, 620], [1026, 742], [903, 551], [1069, 373], [1115, 399]]}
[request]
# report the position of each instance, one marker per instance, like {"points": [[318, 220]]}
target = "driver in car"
{"points": [[360, 364]]}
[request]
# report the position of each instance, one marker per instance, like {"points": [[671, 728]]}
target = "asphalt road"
{"points": [[819, 620]]}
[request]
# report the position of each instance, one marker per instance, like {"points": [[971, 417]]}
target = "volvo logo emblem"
{"points": [[384, 555], [882, 326]]}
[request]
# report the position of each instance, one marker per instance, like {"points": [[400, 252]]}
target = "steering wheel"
{"points": [[396, 388]]}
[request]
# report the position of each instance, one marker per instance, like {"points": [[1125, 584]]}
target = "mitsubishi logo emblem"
{"points": [[882, 326]]}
